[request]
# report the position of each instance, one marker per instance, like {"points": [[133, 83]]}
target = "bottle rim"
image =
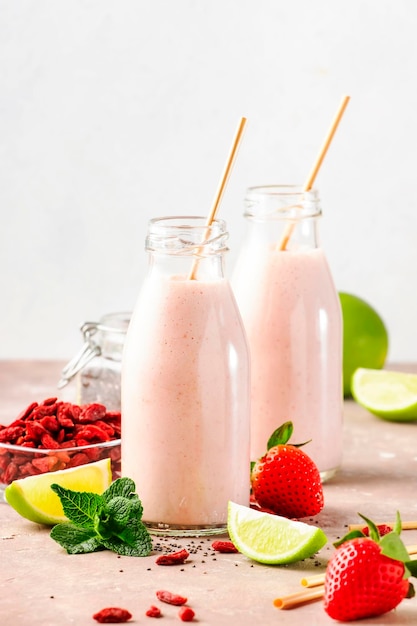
{"points": [[186, 235], [281, 202]]}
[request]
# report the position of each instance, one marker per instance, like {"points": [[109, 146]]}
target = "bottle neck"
{"points": [[284, 216], [185, 248]]}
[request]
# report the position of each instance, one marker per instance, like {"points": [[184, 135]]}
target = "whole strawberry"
{"points": [[361, 581], [285, 480]]}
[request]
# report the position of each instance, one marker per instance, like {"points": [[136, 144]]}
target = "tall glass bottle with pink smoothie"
{"points": [[292, 316], [186, 383]]}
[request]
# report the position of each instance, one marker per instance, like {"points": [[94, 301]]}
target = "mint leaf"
{"points": [[111, 520], [135, 540], [121, 510], [76, 540], [80, 507], [115, 515], [121, 487]]}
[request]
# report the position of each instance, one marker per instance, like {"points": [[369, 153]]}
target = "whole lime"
{"points": [[365, 338]]}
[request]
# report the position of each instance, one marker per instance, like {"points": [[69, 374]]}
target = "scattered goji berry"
{"points": [[153, 611], [186, 614], [383, 529], [174, 558], [112, 615], [171, 598], [224, 546]]}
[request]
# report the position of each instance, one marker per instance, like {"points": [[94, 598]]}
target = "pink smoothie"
{"points": [[292, 317], [185, 392]]}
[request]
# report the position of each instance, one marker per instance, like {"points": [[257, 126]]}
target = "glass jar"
{"points": [[96, 369], [292, 315], [185, 384]]}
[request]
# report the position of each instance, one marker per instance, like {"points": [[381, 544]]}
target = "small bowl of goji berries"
{"points": [[53, 435]]}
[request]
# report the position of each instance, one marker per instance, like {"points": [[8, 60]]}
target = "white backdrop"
{"points": [[115, 111]]}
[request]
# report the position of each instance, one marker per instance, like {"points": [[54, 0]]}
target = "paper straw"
{"points": [[315, 169], [299, 597], [222, 187]]}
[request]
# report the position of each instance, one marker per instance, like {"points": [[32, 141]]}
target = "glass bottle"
{"points": [[185, 383], [292, 315], [96, 369]]}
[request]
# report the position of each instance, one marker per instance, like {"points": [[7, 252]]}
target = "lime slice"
{"points": [[390, 395], [33, 499], [270, 538]]}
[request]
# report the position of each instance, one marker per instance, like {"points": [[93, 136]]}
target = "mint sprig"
{"points": [[109, 521]]}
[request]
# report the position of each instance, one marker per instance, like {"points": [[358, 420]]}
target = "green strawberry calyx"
{"points": [[282, 435], [391, 544]]}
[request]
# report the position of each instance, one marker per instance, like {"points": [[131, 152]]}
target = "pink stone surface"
{"points": [[40, 585]]}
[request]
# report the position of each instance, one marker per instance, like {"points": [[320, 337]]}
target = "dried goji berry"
{"points": [[383, 529], [174, 558], [28, 469], [48, 442], [186, 614], [93, 454], [92, 412], [64, 415], [49, 422], [92, 433], [69, 443], [170, 598], [41, 411], [49, 401], [11, 472], [61, 435], [26, 412], [115, 454], [78, 459], [153, 611], [108, 428], [46, 463], [112, 615], [10, 433], [224, 546], [35, 430]]}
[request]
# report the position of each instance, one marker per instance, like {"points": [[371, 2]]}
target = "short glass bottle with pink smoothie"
{"points": [[292, 315], [186, 383]]}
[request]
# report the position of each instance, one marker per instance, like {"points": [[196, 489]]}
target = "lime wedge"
{"points": [[387, 394], [272, 539], [33, 499]]}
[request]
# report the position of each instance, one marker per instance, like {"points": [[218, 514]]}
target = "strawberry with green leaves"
{"points": [[285, 480], [368, 575]]}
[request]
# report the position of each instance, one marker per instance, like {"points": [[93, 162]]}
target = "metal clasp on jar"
{"points": [[87, 353], [104, 338]]}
